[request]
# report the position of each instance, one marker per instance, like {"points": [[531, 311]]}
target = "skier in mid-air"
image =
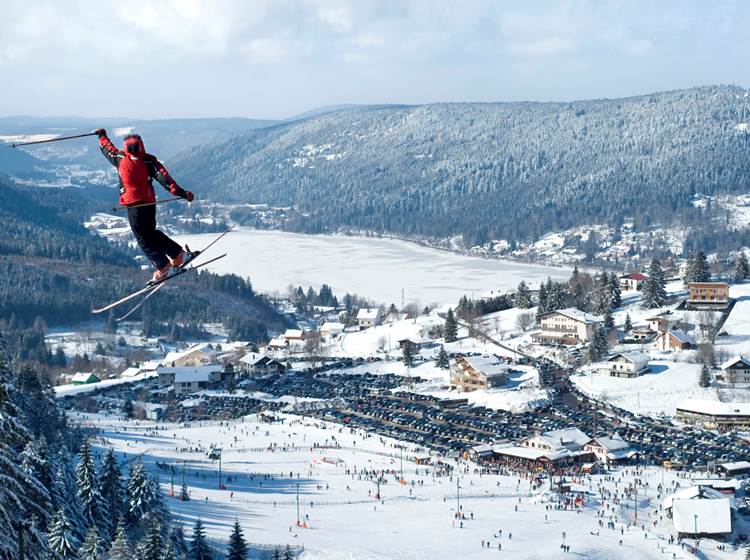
{"points": [[137, 170]]}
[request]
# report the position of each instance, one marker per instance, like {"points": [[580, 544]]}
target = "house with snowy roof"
{"points": [[555, 447], [571, 439], [627, 364], [610, 449], [254, 363], [675, 339], [632, 281], [735, 370], [168, 375], [330, 329], [195, 355], [82, 378], [714, 414], [469, 373], [567, 326], [368, 317], [702, 518]]}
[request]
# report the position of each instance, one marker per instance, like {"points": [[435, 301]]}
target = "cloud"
{"points": [[263, 51]]}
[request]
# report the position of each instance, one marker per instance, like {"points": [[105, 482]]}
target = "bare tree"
{"points": [[709, 322], [382, 341], [312, 347], [525, 320]]}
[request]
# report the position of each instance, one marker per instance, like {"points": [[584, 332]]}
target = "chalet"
{"points": [[260, 364], [675, 339], [571, 439], [417, 342], [294, 335], [472, 373], [196, 355], [735, 370], [610, 450], [167, 375], [708, 293], [194, 379], [737, 468], [627, 364], [394, 315], [567, 326], [367, 318], [331, 329], [702, 517], [84, 378], [277, 343], [714, 414], [658, 323], [633, 281], [642, 333], [540, 450]]}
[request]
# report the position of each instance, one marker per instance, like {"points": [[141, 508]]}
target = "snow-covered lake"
{"points": [[372, 267]]}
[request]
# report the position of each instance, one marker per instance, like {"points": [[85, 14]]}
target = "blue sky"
{"points": [[276, 58]]}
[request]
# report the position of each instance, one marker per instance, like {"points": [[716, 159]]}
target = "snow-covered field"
{"points": [[376, 268], [267, 462]]}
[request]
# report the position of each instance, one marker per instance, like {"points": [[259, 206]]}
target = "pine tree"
{"points": [[177, 540], [705, 377], [88, 487], [554, 296], [523, 296], [127, 408], [542, 299], [654, 293], [152, 545], [198, 549], [110, 484], [120, 549], [609, 321], [237, 549], [184, 493], [442, 361], [61, 539], [409, 352], [599, 345], [601, 294], [288, 553], [741, 270], [615, 292], [628, 323], [90, 548], [65, 495], [450, 331], [139, 493], [697, 269]]}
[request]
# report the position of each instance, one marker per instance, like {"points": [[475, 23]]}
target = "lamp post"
{"points": [[695, 529]]}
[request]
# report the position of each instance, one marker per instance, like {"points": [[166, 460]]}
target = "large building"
{"points": [[541, 450], [633, 281], [367, 318], [472, 373], [712, 293], [714, 414], [254, 363], [168, 375], [567, 326], [196, 355], [735, 370], [610, 450], [627, 364]]}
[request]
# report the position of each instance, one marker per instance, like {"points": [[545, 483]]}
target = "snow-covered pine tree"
{"points": [[697, 269], [599, 346], [177, 539], [198, 549], [615, 292], [609, 321], [110, 485], [61, 539], [152, 545], [288, 555], [409, 352], [90, 548], [600, 296], [64, 494], [139, 493], [237, 549], [89, 495], [741, 270], [554, 296], [442, 361], [541, 301], [120, 549], [184, 493], [654, 293], [628, 323], [522, 298], [704, 380], [450, 331], [35, 462]]}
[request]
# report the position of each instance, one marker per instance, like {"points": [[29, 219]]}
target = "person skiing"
{"points": [[137, 170]]}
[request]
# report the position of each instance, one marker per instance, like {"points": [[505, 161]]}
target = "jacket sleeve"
{"points": [[112, 154], [157, 171]]}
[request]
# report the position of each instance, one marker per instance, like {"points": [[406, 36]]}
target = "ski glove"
{"points": [[189, 196], [101, 133], [182, 193]]}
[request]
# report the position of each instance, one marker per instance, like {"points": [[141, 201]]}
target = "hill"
{"points": [[488, 170], [18, 163]]}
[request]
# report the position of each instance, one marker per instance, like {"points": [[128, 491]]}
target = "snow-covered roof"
{"points": [[278, 342], [293, 334], [192, 376], [565, 437], [151, 365], [693, 493], [611, 443], [716, 408], [81, 377], [368, 314], [638, 359], [681, 336], [488, 366], [130, 372], [252, 358], [333, 327], [202, 347], [736, 360], [577, 315], [736, 465], [709, 517]]}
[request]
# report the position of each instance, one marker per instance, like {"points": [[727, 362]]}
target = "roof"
{"points": [[639, 359], [634, 276], [488, 366], [330, 326], [716, 408], [736, 465], [611, 443], [202, 347], [566, 437], [733, 361], [188, 369], [576, 315], [81, 376], [252, 358], [278, 342], [707, 517], [192, 376], [130, 372], [534, 453], [681, 336], [293, 333], [709, 284], [691, 493], [370, 314]]}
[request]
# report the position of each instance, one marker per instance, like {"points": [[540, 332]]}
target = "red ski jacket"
{"points": [[137, 169]]}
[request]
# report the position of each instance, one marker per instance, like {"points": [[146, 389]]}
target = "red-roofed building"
{"points": [[633, 281]]}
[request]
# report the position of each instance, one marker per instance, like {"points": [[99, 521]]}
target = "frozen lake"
{"points": [[371, 267]]}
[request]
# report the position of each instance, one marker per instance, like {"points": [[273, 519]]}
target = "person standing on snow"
{"points": [[137, 170]]}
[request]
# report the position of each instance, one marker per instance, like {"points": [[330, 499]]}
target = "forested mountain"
{"points": [[487, 171], [52, 267], [18, 162]]}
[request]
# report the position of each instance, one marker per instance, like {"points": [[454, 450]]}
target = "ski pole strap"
{"points": [[118, 208], [58, 139]]}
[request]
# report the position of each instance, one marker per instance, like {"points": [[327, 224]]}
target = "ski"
{"points": [[140, 303], [156, 285]]}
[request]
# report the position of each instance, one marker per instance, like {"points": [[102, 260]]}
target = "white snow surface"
{"points": [[411, 522]]}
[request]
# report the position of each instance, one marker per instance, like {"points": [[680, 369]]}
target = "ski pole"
{"points": [[118, 208], [53, 139]]}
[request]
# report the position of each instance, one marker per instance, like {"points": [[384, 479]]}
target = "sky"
{"points": [[278, 58]]}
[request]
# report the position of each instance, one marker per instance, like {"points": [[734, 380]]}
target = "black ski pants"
{"points": [[155, 244]]}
